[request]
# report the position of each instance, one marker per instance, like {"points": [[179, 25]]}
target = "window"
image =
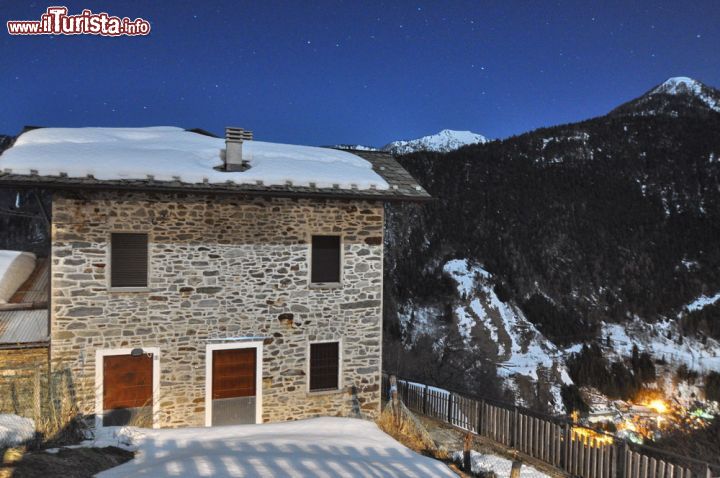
{"points": [[325, 265], [324, 366], [129, 260]]}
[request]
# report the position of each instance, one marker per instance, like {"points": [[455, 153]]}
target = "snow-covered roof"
{"points": [[15, 268], [172, 155]]}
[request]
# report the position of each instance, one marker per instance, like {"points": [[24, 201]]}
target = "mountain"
{"points": [[676, 96], [599, 232], [444, 141], [356, 147]]}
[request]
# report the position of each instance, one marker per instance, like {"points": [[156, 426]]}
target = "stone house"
{"points": [[200, 281]]}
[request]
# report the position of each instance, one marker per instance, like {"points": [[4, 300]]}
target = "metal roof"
{"points": [[18, 327]]}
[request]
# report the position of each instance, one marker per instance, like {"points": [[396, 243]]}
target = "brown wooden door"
{"points": [[233, 373], [127, 387]]}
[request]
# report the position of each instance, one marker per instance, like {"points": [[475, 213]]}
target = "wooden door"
{"points": [[234, 375], [127, 388]]}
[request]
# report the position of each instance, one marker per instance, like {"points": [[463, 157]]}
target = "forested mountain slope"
{"points": [[577, 225]]}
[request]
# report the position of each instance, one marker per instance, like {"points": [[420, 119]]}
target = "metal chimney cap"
{"points": [[235, 134]]}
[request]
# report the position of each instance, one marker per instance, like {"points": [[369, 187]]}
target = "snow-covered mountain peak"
{"points": [[682, 85], [679, 85], [443, 141]]}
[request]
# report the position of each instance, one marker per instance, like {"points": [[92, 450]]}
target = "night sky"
{"points": [[354, 71]]}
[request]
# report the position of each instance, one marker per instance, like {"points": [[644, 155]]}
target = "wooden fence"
{"points": [[576, 450]]}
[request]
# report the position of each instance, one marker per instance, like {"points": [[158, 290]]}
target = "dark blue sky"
{"points": [[354, 71]]}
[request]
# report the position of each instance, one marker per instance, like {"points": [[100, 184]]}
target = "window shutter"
{"points": [[325, 265], [129, 260], [324, 366]]}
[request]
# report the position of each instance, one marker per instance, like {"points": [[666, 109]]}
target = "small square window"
{"points": [[129, 260], [325, 265], [324, 366]]}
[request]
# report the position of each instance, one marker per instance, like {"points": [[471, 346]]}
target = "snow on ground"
{"points": [[653, 338], [484, 463], [15, 430], [702, 301], [169, 153], [15, 268], [319, 447], [417, 320], [527, 349]]}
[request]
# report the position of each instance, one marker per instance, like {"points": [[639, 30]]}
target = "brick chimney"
{"points": [[234, 138]]}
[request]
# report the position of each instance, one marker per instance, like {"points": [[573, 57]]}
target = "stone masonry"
{"points": [[220, 267]]}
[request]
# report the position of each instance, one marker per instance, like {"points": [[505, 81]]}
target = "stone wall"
{"points": [[23, 358], [221, 267]]}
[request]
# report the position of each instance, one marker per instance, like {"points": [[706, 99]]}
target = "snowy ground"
{"points": [[15, 430], [482, 462], [319, 447]]}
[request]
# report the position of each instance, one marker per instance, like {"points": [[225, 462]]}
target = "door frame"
{"points": [[100, 355], [258, 346]]}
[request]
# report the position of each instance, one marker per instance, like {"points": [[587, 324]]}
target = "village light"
{"points": [[658, 405], [136, 352]]}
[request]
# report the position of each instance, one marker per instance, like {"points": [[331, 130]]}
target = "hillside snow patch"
{"points": [[662, 340], [522, 349]]}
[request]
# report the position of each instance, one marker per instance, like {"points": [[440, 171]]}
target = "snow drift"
{"points": [[15, 430], [15, 268]]}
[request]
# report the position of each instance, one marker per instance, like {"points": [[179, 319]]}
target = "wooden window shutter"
{"points": [[325, 265], [129, 260], [324, 366]]}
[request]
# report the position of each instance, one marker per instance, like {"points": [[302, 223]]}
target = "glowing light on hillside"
{"points": [[591, 437], [658, 405]]}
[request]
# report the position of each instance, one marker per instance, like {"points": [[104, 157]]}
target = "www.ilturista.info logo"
{"points": [[56, 21]]}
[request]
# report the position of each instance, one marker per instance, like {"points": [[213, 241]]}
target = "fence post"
{"points": [[393, 389], [394, 405], [515, 428], [620, 470], [36, 397], [450, 403], [467, 457], [480, 417], [425, 395], [567, 434], [708, 472]]}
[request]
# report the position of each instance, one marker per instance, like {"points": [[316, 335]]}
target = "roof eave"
{"points": [[159, 187]]}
